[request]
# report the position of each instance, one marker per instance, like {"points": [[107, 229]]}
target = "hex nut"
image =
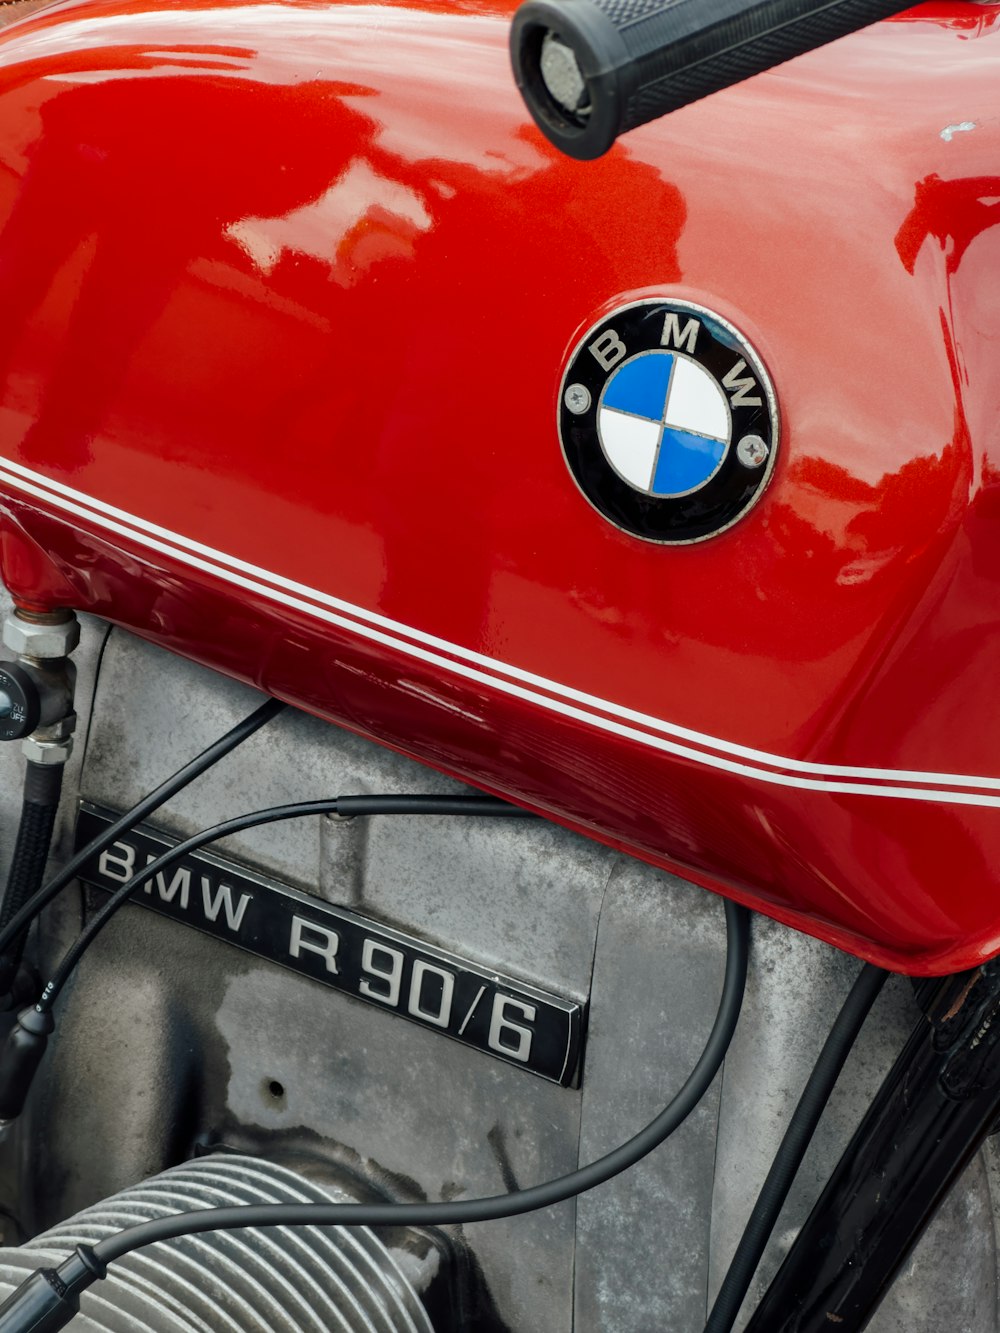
{"points": [[47, 752], [28, 639]]}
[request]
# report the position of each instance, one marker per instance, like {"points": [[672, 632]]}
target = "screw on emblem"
{"points": [[752, 451], [577, 399]]}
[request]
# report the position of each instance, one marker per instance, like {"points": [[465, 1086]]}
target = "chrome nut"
{"points": [[28, 639], [47, 752]]}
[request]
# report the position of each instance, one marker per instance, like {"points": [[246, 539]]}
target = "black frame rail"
{"points": [[938, 1104]]}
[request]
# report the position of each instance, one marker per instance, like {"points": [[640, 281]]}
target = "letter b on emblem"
{"points": [[608, 349]]}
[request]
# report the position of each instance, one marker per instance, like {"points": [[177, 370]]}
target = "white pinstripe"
{"points": [[553, 696]]}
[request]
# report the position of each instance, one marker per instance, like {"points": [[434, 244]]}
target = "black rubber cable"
{"points": [[348, 806], [40, 1295], [792, 1148], [42, 789], [241, 732], [40, 804]]}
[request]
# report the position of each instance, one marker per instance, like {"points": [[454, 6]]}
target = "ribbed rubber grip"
{"points": [[636, 60]]}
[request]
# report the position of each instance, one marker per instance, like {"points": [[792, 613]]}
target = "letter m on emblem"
{"points": [[674, 336]]}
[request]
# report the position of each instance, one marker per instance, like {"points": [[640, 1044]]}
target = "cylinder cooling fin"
{"points": [[274, 1280]]}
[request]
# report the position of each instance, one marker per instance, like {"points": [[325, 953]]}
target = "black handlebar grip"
{"points": [[591, 69]]}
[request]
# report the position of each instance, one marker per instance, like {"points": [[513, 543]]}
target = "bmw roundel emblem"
{"points": [[668, 420]]}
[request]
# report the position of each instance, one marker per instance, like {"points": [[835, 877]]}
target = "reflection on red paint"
{"points": [[298, 282], [121, 232], [953, 212]]}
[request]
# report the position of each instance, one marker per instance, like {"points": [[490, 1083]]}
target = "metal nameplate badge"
{"points": [[349, 953]]}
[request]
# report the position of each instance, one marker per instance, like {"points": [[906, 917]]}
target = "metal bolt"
{"points": [[561, 75], [577, 399], [752, 451], [31, 638], [46, 752]]}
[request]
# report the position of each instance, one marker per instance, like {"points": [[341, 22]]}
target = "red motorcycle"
{"points": [[631, 463]]}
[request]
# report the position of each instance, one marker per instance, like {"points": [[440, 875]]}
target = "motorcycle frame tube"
{"points": [[936, 1107]]}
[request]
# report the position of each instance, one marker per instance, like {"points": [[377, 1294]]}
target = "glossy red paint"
{"points": [[296, 283]]}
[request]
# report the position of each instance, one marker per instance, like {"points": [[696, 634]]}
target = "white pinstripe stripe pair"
{"points": [[602, 715]]}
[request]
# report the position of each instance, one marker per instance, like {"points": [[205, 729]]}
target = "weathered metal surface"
{"points": [[302, 1280], [167, 1037]]}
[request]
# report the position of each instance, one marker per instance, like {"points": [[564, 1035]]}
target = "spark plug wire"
{"points": [[50, 1298], [346, 806], [27, 912]]}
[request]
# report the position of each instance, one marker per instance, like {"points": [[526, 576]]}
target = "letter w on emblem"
{"points": [[674, 336], [739, 388]]}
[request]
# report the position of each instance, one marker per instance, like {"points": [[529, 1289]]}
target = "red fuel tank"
{"points": [[288, 294]]}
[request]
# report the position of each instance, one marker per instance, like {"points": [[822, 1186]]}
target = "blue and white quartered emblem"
{"points": [[668, 420]]}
